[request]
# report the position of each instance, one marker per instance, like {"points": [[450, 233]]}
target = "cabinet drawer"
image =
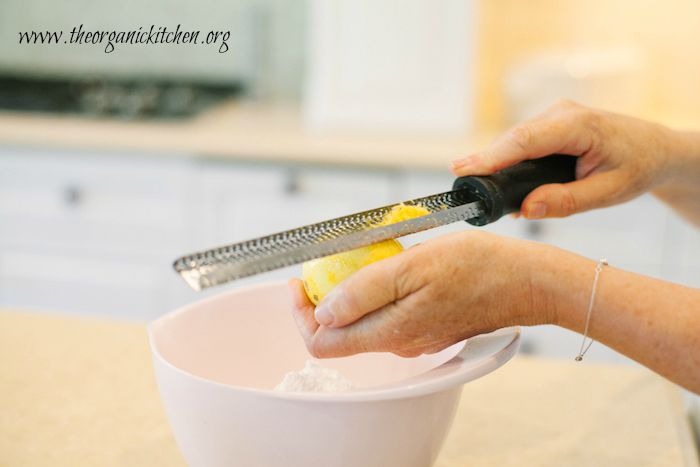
{"points": [[249, 201], [90, 201], [559, 343], [127, 288], [633, 232], [683, 244]]}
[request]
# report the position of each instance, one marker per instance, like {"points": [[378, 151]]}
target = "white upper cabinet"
{"points": [[404, 65]]}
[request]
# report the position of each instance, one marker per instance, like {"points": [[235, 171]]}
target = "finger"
{"points": [[302, 310], [337, 342], [561, 200], [364, 335], [368, 289], [530, 140], [384, 330]]}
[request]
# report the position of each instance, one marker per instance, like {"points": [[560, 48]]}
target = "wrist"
{"points": [[560, 282]]}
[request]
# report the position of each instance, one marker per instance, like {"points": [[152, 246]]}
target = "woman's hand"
{"points": [[454, 287], [620, 158], [425, 298]]}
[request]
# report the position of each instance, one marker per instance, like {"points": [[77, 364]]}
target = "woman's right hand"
{"points": [[620, 158]]}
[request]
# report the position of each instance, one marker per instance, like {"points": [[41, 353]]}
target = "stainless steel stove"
{"points": [[124, 99]]}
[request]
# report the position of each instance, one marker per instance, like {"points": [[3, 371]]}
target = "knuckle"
{"points": [[568, 203], [521, 137], [408, 260], [407, 273], [584, 115], [566, 104], [349, 306], [594, 121]]}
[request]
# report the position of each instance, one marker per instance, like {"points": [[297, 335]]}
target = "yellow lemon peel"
{"points": [[403, 212], [321, 275]]}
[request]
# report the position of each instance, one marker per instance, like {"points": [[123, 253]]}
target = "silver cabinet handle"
{"points": [[535, 229], [292, 183], [73, 195]]}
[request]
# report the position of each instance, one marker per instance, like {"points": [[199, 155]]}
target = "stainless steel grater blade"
{"points": [[220, 265]]}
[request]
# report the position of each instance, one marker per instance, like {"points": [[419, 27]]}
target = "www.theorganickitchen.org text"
{"points": [[153, 35]]}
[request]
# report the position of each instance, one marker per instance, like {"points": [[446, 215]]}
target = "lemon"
{"points": [[321, 275], [403, 212]]}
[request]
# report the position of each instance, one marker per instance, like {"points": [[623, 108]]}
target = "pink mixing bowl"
{"points": [[217, 360]]}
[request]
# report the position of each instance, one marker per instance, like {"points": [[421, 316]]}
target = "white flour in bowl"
{"points": [[314, 378]]}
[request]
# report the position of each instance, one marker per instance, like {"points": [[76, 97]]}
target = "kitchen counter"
{"points": [[80, 392], [248, 131], [240, 132]]}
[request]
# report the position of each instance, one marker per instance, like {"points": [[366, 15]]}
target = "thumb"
{"points": [[365, 291], [561, 200]]}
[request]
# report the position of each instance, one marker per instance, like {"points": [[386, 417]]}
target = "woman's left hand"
{"points": [[426, 298]]}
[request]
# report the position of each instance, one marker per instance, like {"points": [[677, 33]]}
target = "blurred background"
{"points": [[112, 165]]}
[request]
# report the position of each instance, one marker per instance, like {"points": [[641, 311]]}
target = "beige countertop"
{"points": [[249, 131], [80, 392], [239, 131]]}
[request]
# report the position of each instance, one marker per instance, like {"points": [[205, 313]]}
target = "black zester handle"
{"points": [[504, 191]]}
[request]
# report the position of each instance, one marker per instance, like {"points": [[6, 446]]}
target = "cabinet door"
{"points": [[317, 194], [233, 200], [249, 201], [245, 201], [631, 236], [682, 252], [559, 343], [90, 233], [91, 202], [49, 280]]}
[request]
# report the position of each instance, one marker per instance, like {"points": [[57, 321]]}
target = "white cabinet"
{"points": [[82, 202], [681, 252], [374, 65], [97, 233], [89, 233], [242, 201], [631, 236]]}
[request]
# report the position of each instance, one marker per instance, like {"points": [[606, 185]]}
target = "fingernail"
{"points": [[323, 313], [536, 211], [463, 162]]}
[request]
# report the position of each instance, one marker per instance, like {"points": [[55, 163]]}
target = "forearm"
{"points": [[654, 322], [680, 186]]}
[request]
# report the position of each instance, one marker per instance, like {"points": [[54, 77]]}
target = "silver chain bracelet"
{"points": [[584, 347]]}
